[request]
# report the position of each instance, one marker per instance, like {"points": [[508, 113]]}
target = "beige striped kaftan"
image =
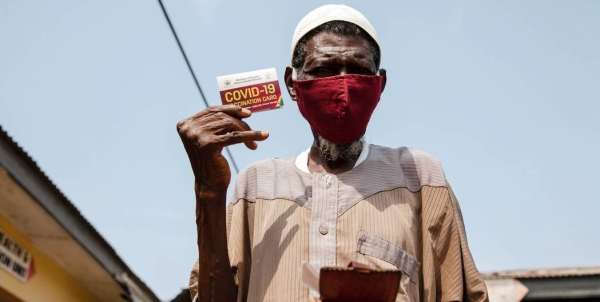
{"points": [[395, 210]]}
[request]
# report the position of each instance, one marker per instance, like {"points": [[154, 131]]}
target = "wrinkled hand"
{"points": [[205, 134]]}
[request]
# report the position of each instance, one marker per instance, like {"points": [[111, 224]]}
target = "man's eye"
{"points": [[363, 71], [321, 70]]}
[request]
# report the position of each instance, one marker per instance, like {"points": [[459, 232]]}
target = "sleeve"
{"points": [[239, 223], [449, 272]]}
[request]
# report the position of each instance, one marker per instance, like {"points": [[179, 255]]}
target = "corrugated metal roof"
{"points": [[35, 169], [543, 273]]}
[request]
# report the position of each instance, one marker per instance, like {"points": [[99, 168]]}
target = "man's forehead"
{"points": [[354, 48], [332, 42], [328, 48]]}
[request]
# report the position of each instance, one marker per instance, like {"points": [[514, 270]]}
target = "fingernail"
{"points": [[246, 111], [264, 133]]}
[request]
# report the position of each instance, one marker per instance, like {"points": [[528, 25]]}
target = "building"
{"points": [[576, 284], [48, 250]]}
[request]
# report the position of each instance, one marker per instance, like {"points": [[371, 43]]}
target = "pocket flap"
{"points": [[375, 246]]}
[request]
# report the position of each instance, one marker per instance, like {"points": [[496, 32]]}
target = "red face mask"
{"points": [[339, 108]]}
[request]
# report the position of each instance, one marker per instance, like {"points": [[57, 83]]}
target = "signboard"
{"points": [[506, 290], [15, 259]]}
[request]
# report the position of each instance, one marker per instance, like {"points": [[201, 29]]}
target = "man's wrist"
{"points": [[210, 191]]}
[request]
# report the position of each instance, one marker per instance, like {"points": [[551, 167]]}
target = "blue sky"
{"points": [[505, 93]]}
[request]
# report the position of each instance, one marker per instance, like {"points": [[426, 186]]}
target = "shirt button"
{"points": [[323, 230]]}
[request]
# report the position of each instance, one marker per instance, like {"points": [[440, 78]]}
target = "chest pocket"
{"points": [[375, 246]]}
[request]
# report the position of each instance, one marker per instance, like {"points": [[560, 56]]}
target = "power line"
{"points": [[193, 74]]}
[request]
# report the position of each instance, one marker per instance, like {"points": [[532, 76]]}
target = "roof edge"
{"points": [[25, 171], [543, 273]]}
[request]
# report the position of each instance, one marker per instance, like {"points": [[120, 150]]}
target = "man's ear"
{"points": [[383, 74], [289, 84]]}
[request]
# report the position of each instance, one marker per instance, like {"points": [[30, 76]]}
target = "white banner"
{"points": [[15, 259]]}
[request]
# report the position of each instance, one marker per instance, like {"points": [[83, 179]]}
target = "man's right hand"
{"points": [[205, 134]]}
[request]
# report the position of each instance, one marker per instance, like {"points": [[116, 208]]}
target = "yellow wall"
{"points": [[49, 283]]}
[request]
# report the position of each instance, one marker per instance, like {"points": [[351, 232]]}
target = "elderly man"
{"points": [[341, 200]]}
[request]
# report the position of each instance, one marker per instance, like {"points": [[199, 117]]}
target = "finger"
{"points": [[251, 145], [221, 124], [226, 110], [233, 110], [236, 124], [236, 137]]}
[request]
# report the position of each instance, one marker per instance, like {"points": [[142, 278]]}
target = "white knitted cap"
{"points": [[332, 12]]}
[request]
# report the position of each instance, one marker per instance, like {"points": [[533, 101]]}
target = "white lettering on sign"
{"points": [[15, 259]]}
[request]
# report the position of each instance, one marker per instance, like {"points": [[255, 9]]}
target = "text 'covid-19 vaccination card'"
{"points": [[255, 90]]}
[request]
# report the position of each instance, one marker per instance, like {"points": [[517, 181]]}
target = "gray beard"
{"points": [[333, 152]]}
